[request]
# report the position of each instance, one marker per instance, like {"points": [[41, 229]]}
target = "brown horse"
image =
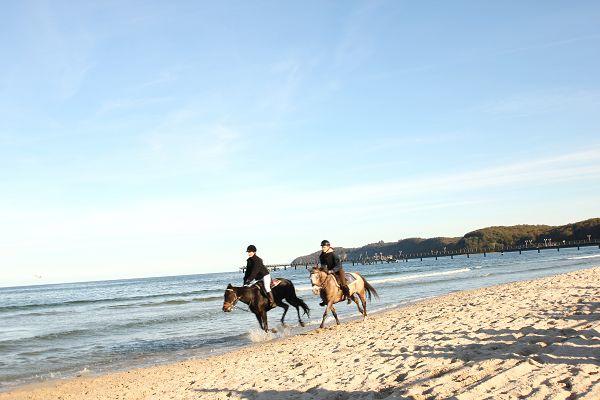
{"points": [[326, 285], [259, 304]]}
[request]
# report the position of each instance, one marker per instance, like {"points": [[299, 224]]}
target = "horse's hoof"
{"points": [[302, 324], [273, 330]]}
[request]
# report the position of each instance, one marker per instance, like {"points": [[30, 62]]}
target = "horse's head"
{"points": [[230, 298], [317, 277]]}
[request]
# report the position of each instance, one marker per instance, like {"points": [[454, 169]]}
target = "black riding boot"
{"points": [[272, 303], [346, 291]]}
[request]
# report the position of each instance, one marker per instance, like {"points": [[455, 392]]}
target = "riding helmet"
{"points": [[325, 243], [251, 248]]}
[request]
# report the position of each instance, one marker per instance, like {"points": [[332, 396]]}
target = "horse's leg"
{"points": [[260, 321], [294, 303], [265, 322], [285, 307], [337, 321], [299, 317], [363, 300], [327, 307], [355, 300]]}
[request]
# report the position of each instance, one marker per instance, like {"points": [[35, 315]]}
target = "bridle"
{"points": [[322, 285], [235, 300]]}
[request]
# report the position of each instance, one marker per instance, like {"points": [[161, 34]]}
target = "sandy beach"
{"points": [[527, 340]]}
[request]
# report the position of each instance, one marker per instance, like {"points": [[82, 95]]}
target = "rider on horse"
{"points": [[255, 269], [334, 266]]}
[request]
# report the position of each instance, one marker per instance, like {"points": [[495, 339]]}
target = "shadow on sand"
{"points": [[314, 393], [572, 347]]}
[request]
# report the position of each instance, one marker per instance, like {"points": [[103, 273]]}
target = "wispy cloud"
{"points": [[163, 77], [277, 206], [189, 138], [213, 224], [568, 167], [65, 57], [280, 95]]}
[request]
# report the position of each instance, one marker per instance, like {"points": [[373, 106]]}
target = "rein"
{"points": [[236, 299], [322, 285]]}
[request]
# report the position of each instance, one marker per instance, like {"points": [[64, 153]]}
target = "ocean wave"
{"points": [[22, 307], [113, 328], [167, 320], [303, 288], [419, 276], [45, 337], [392, 306], [398, 278], [34, 314], [524, 271], [169, 302], [583, 257]]}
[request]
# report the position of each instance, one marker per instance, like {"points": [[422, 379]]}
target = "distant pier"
{"points": [[467, 252]]}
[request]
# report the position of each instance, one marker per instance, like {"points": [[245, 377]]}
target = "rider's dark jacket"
{"points": [[331, 260], [255, 269]]}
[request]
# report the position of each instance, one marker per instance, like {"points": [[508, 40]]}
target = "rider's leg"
{"points": [[267, 282], [323, 301], [341, 275]]}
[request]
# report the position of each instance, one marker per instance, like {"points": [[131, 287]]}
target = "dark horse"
{"points": [[259, 304]]}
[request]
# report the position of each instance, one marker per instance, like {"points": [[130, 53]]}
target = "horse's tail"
{"points": [[368, 288], [305, 308], [295, 298]]}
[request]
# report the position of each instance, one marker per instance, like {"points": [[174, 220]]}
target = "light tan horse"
{"points": [[325, 285]]}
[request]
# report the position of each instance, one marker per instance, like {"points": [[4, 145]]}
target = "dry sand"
{"points": [[528, 340]]}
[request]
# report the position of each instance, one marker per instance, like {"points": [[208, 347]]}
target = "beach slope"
{"points": [[527, 340]]}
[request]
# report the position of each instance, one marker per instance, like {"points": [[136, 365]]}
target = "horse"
{"points": [[259, 304], [326, 285]]}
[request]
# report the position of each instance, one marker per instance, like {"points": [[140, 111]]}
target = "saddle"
{"points": [[350, 278], [261, 286], [275, 282]]}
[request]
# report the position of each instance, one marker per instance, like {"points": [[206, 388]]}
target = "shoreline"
{"points": [[172, 379], [204, 353]]}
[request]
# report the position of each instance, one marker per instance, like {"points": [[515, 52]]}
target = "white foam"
{"points": [[303, 288], [583, 257], [258, 335], [418, 276]]}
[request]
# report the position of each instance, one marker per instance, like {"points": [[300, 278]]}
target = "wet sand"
{"points": [[535, 339]]}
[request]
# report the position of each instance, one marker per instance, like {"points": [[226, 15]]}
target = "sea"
{"points": [[64, 330]]}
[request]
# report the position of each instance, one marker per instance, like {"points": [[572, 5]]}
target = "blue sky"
{"points": [[145, 138]]}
